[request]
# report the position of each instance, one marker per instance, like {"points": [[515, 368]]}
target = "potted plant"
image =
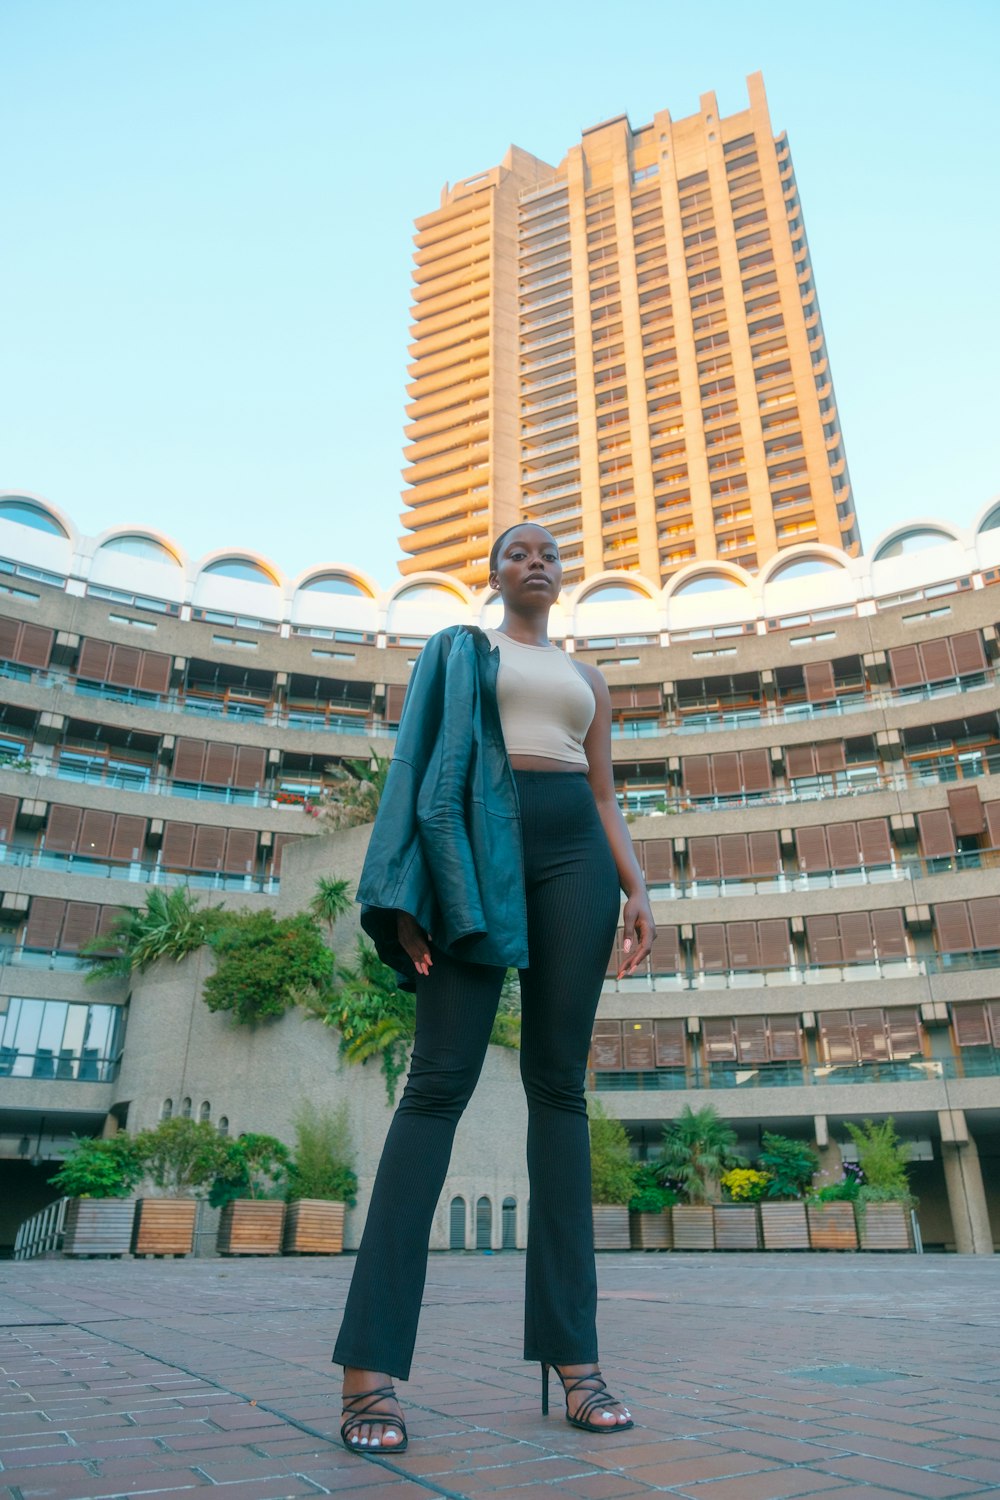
{"points": [[180, 1157], [612, 1179], [322, 1182], [737, 1225], [698, 1147], [790, 1166], [99, 1177], [830, 1212], [247, 1188], [649, 1221], [884, 1204]]}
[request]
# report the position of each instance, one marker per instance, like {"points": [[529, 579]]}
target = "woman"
{"points": [[561, 846]]}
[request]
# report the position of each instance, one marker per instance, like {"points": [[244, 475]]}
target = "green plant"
{"points": [[697, 1148], [507, 1021], [882, 1158], [264, 964], [331, 900], [844, 1189], [100, 1167], [181, 1155], [356, 792], [171, 924], [323, 1165], [790, 1166], [744, 1184], [374, 1017], [649, 1196], [612, 1170], [251, 1166]]}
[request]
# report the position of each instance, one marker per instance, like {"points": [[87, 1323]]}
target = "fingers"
{"points": [[414, 943]]}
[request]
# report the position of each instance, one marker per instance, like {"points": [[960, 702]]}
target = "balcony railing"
{"points": [[137, 872], [917, 966], [910, 867], [65, 1066], [698, 1075]]}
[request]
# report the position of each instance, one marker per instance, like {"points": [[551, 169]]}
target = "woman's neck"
{"points": [[530, 629]]}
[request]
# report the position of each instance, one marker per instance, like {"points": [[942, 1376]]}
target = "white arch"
{"points": [[363, 581], [70, 533], [802, 552], [944, 529], [708, 567], [638, 583], [988, 508], [430, 579], [241, 554], [178, 554]]}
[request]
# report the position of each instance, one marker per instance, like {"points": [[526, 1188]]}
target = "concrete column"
{"points": [[967, 1198]]}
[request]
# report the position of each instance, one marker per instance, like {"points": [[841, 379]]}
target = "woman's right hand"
{"points": [[413, 941]]}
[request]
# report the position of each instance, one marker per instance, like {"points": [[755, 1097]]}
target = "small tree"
{"points": [[331, 900], [697, 1148], [171, 924], [251, 1166], [323, 1165], [108, 1167], [650, 1197], [882, 1157], [612, 1169], [180, 1155], [265, 963], [790, 1166]]}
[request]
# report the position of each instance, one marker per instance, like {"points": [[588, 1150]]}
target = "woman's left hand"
{"points": [[640, 930]]}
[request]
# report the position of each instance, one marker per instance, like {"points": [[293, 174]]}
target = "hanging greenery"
{"points": [[170, 924], [265, 964]]}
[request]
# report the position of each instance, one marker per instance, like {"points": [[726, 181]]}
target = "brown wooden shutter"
{"points": [[820, 684], [45, 920], [968, 653], [984, 918], [189, 759], [665, 956], [106, 920], [94, 660], [727, 774], [710, 947], [903, 1026], [671, 1043], [869, 1031], [765, 853], [606, 1047], [648, 696], [35, 645], [703, 857], [954, 931], [718, 1041], [658, 860], [178, 846], [280, 840], [890, 934], [124, 669], [10, 634], [875, 840], [63, 829], [970, 1023], [992, 811], [241, 851], [937, 836], [837, 1037], [95, 834], [744, 950], [395, 696], [8, 817], [905, 667], [220, 764], [734, 857], [638, 1047], [810, 844], [698, 775], [844, 846], [621, 698], [774, 942], [800, 760], [856, 943], [755, 767], [154, 672], [129, 839], [823, 938], [937, 660], [80, 924], [966, 810], [785, 1038], [751, 1039], [993, 1015], [209, 848], [831, 755], [250, 770]]}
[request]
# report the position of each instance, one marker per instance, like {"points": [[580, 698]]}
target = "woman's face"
{"points": [[528, 567]]}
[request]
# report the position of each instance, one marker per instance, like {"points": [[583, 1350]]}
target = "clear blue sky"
{"points": [[207, 211]]}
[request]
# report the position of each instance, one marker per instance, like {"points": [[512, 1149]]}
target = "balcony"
{"points": [[137, 872], [698, 1075]]}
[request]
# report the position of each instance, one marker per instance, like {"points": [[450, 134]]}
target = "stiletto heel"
{"points": [[361, 1410], [545, 1389], [595, 1396]]}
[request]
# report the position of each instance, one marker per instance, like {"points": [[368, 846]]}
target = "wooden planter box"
{"points": [[611, 1230], [314, 1226], [651, 1231], [98, 1226], [736, 1226], [884, 1226], [832, 1226], [251, 1226], [694, 1226], [164, 1226], [785, 1226]]}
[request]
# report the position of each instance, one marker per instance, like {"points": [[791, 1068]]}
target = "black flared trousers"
{"points": [[572, 891]]}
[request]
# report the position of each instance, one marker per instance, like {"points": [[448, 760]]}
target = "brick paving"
{"points": [[760, 1377]]}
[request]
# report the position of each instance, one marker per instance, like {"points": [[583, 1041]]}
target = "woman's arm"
{"points": [[640, 929]]}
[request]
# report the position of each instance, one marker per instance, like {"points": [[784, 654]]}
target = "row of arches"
{"points": [[458, 1224], [185, 1111]]}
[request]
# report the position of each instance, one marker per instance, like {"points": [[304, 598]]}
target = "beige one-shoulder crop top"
{"points": [[546, 704]]}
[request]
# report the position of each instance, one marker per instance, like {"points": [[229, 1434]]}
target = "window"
{"points": [[642, 173], [334, 583], [61, 1040], [144, 547], [28, 513], [242, 568], [917, 539]]}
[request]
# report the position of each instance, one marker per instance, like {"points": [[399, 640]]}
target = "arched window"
{"points": [[28, 513], [456, 1225], [804, 567], [223, 1125], [167, 1109], [186, 1108], [334, 583], [708, 583], [614, 593], [243, 568], [917, 539], [991, 521], [509, 1224], [145, 547], [205, 1112], [432, 593], [484, 1224]]}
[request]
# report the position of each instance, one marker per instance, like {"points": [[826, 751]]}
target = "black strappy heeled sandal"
{"points": [[598, 1396], [361, 1412]]}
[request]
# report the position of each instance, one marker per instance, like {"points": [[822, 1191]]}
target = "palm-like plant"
{"points": [[357, 790], [331, 900], [374, 1016], [171, 924], [697, 1148]]}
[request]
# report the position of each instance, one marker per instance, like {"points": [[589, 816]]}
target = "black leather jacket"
{"points": [[446, 845]]}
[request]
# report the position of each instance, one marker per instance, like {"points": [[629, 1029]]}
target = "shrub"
{"points": [[323, 1163], [374, 1016], [650, 1197], [171, 924], [882, 1159], [99, 1167], [264, 964], [790, 1166], [612, 1170], [181, 1155], [251, 1166], [697, 1148], [745, 1185]]}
